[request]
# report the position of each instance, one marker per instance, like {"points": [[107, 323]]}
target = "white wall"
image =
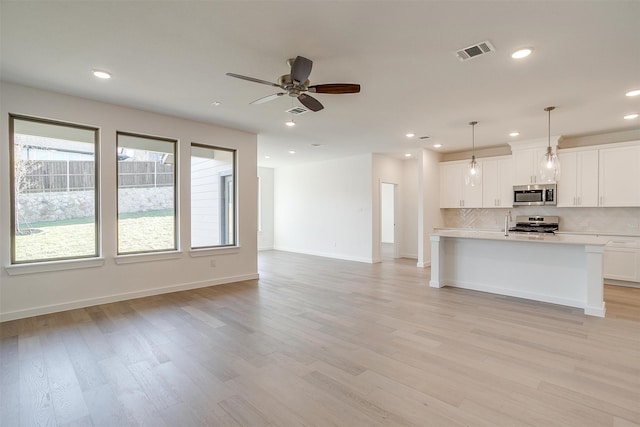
{"points": [[324, 208], [265, 232], [409, 240], [429, 215], [40, 292]]}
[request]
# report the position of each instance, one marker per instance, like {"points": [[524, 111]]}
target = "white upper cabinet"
{"points": [[497, 182], [578, 185], [620, 176], [454, 193], [526, 159]]}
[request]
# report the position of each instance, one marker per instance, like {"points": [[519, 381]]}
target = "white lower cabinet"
{"points": [[622, 260]]}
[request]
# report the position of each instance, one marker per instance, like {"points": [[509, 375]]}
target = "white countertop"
{"points": [[566, 239], [601, 233]]}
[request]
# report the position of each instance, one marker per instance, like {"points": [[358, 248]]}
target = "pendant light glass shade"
{"points": [[473, 177], [549, 167]]}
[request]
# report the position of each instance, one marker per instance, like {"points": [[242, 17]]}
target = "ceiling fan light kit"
{"points": [[296, 84]]}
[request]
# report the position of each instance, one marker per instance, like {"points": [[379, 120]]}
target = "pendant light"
{"points": [[472, 177], [549, 168]]}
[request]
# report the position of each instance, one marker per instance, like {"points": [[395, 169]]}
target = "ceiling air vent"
{"points": [[475, 50], [296, 111]]}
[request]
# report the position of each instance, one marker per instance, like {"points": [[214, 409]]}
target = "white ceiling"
{"points": [[172, 56]]}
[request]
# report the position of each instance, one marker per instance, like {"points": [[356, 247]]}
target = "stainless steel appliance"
{"points": [[535, 224], [535, 195]]}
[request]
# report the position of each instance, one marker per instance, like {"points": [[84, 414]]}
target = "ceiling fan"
{"points": [[296, 84]]}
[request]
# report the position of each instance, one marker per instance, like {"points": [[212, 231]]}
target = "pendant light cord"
{"points": [[549, 110], [473, 140]]}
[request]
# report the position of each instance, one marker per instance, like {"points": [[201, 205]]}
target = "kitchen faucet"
{"points": [[507, 218]]}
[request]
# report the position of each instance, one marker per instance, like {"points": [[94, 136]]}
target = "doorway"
{"points": [[388, 216]]}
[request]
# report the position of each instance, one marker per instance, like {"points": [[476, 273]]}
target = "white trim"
{"points": [[534, 143], [327, 255], [600, 146], [223, 250], [146, 257], [45, 267], [596, 311], [626, 283], [421, 264], [19, 314], [411, 255], [515, 293]]}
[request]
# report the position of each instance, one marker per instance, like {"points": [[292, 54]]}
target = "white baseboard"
{"points": [[621, 283], [514, 293], [54, 308], [326, 255], [408, 255]]}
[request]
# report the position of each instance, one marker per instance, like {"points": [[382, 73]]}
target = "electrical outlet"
{"points": [[212, 263]]}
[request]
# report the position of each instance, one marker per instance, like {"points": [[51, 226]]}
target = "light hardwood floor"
{"points": [[325, 342]]}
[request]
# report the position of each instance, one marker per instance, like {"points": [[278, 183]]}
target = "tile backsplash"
{"points": [[605, 220]]}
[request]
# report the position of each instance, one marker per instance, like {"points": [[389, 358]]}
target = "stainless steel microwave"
{"points": [[535, 195]]}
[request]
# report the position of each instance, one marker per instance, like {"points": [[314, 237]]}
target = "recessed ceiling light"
{"points": [[631, 116], [267, 157], [410, 135], [101, 74], [437, 145], [292, 152], [522, 53], [634, 92], [290, 123], [216, 103], [514, 134], [407, 154]]}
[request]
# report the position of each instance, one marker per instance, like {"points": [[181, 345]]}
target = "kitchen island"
{"points": [[559, 269]]}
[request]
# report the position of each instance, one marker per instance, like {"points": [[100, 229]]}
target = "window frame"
{"points": [[12, 188], [234, 180], [176, 234]]}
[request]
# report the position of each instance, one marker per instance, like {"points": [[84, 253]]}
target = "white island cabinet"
{"points": [[565, 270]]}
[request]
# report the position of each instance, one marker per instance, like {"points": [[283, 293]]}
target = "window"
{"points": [[54, 199], [212, 197], [146, 194]]}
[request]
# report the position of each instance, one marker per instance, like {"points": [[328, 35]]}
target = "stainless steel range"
{"points": [[536, 224]]}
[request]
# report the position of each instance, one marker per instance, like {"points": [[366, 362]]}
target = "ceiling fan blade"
{"points": [[335, 88], [251, 79], [300, 69], [267, 98], [310, 102]]}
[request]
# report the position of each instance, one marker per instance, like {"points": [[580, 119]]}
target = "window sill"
{"points": [[225, 250], [156, 256], [47, 266]]}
